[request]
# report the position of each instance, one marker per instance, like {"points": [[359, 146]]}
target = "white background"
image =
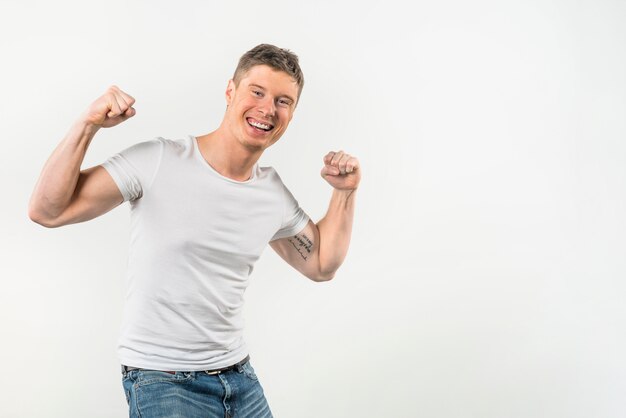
{"points": [[486, 273]]}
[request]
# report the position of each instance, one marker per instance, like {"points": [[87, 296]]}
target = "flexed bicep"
{"points": [[96, 194], [301, 251]]}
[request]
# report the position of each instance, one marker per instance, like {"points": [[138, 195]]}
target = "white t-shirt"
{"points": [[195, 236]]}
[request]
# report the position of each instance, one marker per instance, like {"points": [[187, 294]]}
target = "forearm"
{"points": [[335, 231], [59, 176]]}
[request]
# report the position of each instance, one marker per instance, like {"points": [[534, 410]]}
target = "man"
{"points": [[202, 211]]}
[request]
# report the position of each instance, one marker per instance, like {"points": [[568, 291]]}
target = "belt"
{"points": [[126, 369]]}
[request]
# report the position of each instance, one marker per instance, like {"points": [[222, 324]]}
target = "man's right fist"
{"points": [[110, 109]]}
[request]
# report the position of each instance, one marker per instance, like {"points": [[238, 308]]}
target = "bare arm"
{"points": [[320, 249], [64, 194]]}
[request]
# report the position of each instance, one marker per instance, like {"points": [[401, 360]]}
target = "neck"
{"points": [[227, 156]]}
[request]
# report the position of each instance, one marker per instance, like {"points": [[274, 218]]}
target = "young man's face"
{"points": [[261, 107]]}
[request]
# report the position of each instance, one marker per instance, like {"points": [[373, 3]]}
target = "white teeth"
{"points": [[259, 125]]}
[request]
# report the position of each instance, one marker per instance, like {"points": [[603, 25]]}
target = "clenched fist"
{"points": [[341, 170], [110, 109]]}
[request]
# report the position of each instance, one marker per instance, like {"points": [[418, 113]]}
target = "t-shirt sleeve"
{"points": [[294, 219], [134, 168]]}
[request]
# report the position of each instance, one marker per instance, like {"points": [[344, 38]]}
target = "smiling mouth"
{"points": [[266, 127]]}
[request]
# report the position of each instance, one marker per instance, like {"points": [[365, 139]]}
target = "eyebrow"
{"points": [[263, 88]]}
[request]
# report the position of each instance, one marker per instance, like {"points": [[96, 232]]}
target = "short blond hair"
{"points": [[277, 58]]}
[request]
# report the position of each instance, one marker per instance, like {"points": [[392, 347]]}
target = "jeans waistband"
{"points": [[126, 369]]}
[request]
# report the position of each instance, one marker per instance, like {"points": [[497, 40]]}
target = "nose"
{"points": [[267, 107]]}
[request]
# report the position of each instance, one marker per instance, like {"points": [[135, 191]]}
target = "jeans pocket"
{"points": [[127, 383], [146, 377], [248, 370]]}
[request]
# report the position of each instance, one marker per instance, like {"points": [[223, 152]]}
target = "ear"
{"points": [[230, 91]]}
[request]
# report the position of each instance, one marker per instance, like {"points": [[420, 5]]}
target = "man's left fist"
{"points": [[341, 170]]}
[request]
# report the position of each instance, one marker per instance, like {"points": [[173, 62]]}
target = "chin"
{"points": [[253, 145]]}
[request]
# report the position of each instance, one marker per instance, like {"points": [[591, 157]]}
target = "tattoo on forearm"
{"points": [[302, 244]]}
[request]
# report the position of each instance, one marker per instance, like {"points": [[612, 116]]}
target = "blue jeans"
{"points": [[236, 393]]}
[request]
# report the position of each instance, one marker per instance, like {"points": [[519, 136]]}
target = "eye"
{"points": [[257, 93], [284, 102]]}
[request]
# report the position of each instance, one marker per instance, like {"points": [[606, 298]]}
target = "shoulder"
{"points": [[166, 145], [269, 174], [173, 144], [268, 171], [145, 146]]}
